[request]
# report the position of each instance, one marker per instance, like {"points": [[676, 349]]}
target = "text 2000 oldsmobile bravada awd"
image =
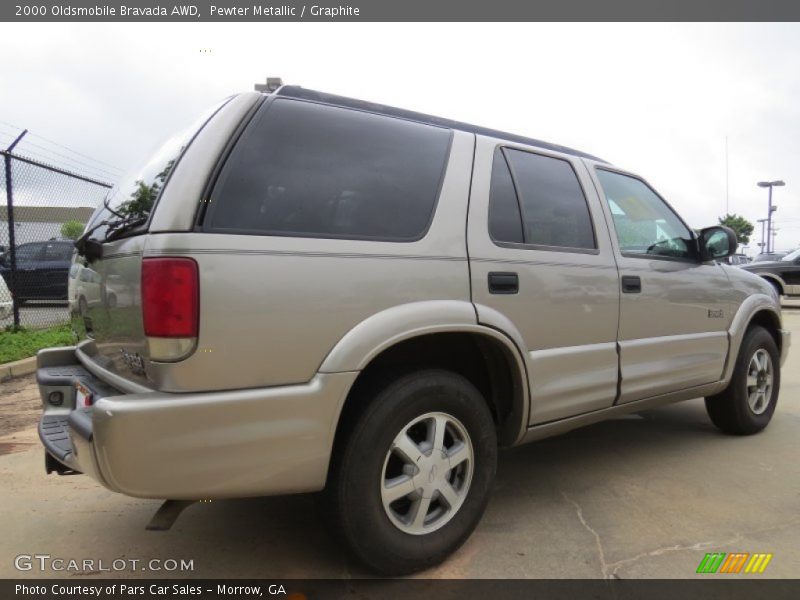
{"points": [[317, 293]]}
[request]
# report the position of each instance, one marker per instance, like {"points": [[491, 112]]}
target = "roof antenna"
{"points": [[273, 83]]}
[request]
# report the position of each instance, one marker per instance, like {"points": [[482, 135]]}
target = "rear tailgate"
{"points": [[163, 195], [115, 323]]}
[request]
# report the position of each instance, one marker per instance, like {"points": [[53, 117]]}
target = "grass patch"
{"points": [[15, 345]]}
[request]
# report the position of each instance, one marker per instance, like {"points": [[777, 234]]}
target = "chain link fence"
{"points": [[43, 209]]}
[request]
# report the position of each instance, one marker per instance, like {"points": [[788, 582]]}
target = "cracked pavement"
{"points": [[643, 496]]}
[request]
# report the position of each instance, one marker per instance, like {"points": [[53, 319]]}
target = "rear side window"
{"points": [[552, 206], [311, 170]]}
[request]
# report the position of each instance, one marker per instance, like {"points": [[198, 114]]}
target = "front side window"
{"points": [[644, 223], [310, 170], [30, 252], [543, 193]]}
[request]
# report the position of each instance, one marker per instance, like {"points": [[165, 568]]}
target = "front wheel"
{"points": [[415, 472], [747, 404]]}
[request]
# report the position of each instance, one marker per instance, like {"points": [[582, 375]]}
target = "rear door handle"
{"points": [[503, 283], [631, 284]]}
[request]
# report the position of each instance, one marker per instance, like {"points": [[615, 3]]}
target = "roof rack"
{"points": [[297, 92]]}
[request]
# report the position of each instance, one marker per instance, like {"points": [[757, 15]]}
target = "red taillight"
{"points": [[170, 297]]}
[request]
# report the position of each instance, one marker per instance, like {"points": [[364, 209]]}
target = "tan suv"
{"points": [[318, 293]]}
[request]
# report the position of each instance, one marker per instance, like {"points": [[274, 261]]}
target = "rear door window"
{"points": [[505, 218], [548, 199], [309, 170]]}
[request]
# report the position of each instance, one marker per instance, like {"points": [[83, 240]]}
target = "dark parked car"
{"points": [[783, 274], [42, 269], [769, 256]]}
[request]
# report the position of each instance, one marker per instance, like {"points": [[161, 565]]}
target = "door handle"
{"points": [[631, 284], [503, 283]]}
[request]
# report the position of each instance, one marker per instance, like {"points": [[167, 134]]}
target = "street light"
{"points": [[772, 209], [762, 244]]}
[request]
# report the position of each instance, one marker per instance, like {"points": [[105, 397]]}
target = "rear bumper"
{"points": [[191, 446]]}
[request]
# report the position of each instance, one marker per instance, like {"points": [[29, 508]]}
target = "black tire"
{"points": [[730, 410], [353, 496], [776, 286]]}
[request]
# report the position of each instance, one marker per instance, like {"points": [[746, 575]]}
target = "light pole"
{"points": [[770, 185], [762, 244]]}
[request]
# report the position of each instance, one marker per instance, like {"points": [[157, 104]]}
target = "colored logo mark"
{"points": [[735, 562]]}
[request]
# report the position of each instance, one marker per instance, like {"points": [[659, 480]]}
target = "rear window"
{"points": [[310, 170], [137, 192]]}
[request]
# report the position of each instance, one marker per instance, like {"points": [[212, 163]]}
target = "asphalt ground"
{"points": [[644, 496]]}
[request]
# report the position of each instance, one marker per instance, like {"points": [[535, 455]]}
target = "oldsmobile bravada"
{"points": [[317, 294]]}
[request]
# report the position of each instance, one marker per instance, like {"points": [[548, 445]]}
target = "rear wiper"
{"points": [[92, 249], [83, 243], [115, 228]]}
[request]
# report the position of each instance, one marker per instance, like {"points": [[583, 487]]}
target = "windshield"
{"points": [[792, 255], [132, 199]]}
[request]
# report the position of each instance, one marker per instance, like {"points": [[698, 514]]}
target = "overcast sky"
{"points": [[658, 99]]}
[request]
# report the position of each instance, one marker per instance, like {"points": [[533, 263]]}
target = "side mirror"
{"points": [[717, 243]]}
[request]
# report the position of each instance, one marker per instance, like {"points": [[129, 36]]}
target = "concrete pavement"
{"points": [[642, 496]]}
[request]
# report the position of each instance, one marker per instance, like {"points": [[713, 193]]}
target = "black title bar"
{"points": [[402, 10]]}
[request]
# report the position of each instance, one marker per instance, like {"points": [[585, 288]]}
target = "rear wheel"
{"points": [[415, 472], [747, 404]]}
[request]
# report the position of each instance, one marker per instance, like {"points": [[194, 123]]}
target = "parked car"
{"points": [[370, 301], [783, 274], [84, 287], [769, 256], [6, 302], [737, 259], [42, 269]]}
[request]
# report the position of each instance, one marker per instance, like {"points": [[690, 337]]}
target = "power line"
{"points": [[49, 154], [73, 160], [48, 140]]}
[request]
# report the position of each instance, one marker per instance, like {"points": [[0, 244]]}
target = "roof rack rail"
{"points": [[273, 83]]}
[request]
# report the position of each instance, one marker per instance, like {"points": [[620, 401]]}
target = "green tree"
{"points": [[72, 230], [740, 225]]}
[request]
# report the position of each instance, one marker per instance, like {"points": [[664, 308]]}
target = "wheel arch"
{"points": [[381, 346], [758, 309], [773, 279]]}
